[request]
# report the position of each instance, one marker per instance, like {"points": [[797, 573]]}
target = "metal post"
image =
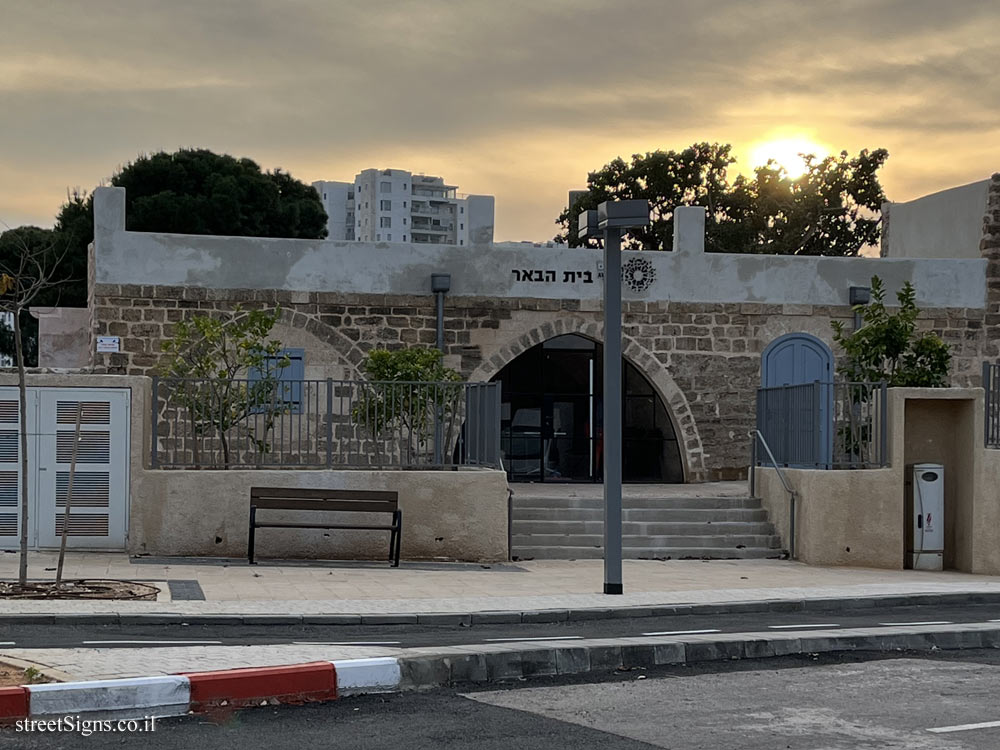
{"points": [[440, 284], [329, 423], [612, 411], [883, 415], [986, 404], [154, 437]]}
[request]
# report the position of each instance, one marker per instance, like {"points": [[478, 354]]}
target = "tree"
{"points": [[224, 372], [28, 272], [887, 347], [192, 191], [832, 209], [48, 246], [408, 392]]}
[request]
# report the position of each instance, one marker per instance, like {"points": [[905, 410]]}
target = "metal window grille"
{"points": [[991, 385]]}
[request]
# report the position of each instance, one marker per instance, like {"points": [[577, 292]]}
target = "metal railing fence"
{"points": [[991, 385], [825, 425], [247, 423]]}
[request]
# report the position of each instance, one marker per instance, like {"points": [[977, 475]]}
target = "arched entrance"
{"points": [[790, 360], [793, 359], [551, 416]]}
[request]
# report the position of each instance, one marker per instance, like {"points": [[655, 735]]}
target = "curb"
{"points": [[201, 692], [513, 617]]}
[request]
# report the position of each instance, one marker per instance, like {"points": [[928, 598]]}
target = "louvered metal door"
{"points": [[10, 467], [98, 516]]}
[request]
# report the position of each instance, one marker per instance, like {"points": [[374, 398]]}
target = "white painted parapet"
{"points": [[510, 270]]}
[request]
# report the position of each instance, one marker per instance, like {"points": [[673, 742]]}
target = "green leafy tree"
{"points": [[193, 191], [831, 209], [225, 372], [887, 346], [407, 393]]}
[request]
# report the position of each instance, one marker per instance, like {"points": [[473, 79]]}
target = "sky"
{"points": [[515, 98]]}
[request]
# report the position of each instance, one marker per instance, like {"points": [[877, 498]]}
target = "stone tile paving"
{"points": [[321, 589], [112, 663]]}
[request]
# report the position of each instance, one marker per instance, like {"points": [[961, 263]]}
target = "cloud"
{"points": [[520, 98]]}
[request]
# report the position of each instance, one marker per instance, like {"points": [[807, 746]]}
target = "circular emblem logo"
{"points": [[638, 274]]}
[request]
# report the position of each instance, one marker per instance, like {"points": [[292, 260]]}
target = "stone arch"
{"points": [[348, 350], [678, 409]]}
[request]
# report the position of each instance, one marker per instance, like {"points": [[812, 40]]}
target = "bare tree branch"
{"points": [[32, 274]]}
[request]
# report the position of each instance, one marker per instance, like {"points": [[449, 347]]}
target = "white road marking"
{"points": [[345, 643], [152, 643], [993, 621], [929, 622], [7, 643], [546, 638], [805, 625], [965, 727], [683, 632]]}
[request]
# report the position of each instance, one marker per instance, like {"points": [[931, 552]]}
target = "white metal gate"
{"points": [[99, 513]]}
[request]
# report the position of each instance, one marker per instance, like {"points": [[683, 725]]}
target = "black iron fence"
{"points": [[247, 423], [991, 384], [818, 425]]}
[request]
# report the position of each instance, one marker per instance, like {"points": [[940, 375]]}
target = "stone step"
{"points": [[661, 515], [730, 541], [698, 503], [640, 528], [645, 553]]}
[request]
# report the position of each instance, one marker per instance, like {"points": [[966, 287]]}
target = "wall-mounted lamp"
{"points": [[859, 295], [440, 285]]}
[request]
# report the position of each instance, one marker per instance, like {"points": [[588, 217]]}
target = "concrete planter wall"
{"points": [[446, 514], [857, 517]]}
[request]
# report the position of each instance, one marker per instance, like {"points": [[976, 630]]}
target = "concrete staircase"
{"points": [[552, 525]]}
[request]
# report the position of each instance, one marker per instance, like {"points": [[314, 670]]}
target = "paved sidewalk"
{"points": [[374, 588]]}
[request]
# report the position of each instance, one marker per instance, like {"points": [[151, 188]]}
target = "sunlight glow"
{"points": [[787, 153]]}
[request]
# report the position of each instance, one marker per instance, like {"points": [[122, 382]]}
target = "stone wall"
{"points": [[703, 358]]}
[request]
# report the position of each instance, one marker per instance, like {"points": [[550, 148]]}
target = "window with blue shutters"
{"points": [[290, 376]]}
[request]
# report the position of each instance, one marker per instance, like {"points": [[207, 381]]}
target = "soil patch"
{"points": [[80, 589], [11, 676]]}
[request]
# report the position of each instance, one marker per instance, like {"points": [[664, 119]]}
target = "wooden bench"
{"points": [[360, 501]]}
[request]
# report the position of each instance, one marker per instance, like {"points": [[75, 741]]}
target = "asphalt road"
{"points": [[841, 702], [411, 636]]}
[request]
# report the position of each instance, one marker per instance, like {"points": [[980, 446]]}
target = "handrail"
{"points": [[757, 436]]}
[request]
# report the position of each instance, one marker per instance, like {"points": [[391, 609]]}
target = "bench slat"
{"points": [[361, 506], [296, 493], [318, 526]]}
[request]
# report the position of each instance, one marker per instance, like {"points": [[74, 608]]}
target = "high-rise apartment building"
{"points": [[393, 205]]}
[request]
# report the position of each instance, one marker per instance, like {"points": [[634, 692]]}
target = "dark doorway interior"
{"points": [[551, 416]]}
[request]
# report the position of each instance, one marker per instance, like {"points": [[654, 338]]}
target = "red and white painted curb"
{"points": [[175, 695]]}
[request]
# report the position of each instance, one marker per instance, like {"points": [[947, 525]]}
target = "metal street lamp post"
{"points": [[610, 219]]}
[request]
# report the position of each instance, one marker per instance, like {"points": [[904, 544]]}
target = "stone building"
{"points": [[695, 324]]}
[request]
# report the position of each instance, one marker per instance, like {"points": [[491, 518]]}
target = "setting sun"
{"points": [[787, 152]]}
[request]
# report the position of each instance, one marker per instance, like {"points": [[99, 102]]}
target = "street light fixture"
{"points": [[610, 219]]}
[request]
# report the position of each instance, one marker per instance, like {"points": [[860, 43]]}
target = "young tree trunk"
{"points": [[69, 495], [22, 573]]}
